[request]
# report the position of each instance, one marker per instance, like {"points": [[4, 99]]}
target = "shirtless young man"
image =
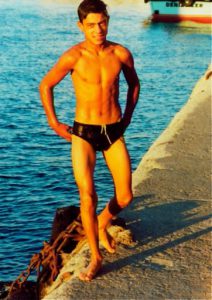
{"points": [[95, 65]]}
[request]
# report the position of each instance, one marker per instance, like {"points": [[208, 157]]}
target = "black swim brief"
{"points": [[101, 137]]}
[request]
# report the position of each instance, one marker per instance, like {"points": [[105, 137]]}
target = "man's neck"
{"points": [[95, 48]]}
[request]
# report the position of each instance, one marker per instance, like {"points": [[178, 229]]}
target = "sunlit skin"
{"points": [[95, 65]]}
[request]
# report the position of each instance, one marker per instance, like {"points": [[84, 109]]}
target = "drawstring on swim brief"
{"points": [[104, 130]]}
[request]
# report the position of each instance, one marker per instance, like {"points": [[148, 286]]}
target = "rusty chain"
{"points": [[47, 261]]}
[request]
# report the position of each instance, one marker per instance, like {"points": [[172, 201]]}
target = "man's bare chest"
{"points": [[94, 69]]}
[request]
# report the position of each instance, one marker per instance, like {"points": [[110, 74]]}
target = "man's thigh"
{"points": [[83, 162], [118, 161]]}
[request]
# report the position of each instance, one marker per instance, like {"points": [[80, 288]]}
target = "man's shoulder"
{"points": [[71, 56], [121, 51], [74, 51]]}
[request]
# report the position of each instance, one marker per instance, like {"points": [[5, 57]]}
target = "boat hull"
{"points": [[174, 11]]}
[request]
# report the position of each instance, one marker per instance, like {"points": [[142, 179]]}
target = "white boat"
{"points": [[181, 10]]}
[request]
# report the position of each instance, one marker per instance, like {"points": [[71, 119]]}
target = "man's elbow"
{"points": [[41, 86], [135, 83], [44, 87], [136, 86]]}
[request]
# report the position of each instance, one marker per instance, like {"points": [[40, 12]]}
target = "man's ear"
{"points": [[80, 26]]}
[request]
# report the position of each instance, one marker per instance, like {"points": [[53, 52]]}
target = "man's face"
{"points": [[95, 27]]}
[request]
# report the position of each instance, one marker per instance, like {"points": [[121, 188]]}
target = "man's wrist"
{"points": [[54, 124], [126, 122]]}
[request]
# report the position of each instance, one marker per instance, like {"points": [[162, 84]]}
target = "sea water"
{"points": [[35, 170]]}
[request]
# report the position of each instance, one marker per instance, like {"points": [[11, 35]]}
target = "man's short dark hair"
{"points": [[91, 6]]}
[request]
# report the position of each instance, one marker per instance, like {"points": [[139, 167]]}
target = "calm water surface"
{"points": [[35, 170]]}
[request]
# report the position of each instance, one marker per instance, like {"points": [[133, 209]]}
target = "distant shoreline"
{"points": [[110, 3]]}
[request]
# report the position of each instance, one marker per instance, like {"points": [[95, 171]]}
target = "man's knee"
{"points": [[119, 202], [88, 198], [124, 198]]}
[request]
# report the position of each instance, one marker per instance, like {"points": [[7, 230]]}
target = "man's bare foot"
{"points": [[91, 271], [107, 241]]}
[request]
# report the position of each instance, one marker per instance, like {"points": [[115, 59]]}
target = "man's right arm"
{"points": [[64, 65], [133, 84]]}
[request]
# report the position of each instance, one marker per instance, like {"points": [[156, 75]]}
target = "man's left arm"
{"points": [[133, 86]]}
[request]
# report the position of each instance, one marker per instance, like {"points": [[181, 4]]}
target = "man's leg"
{"points": [[83, 160], [118, 161]]}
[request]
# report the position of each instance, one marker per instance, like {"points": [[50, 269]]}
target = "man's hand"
{"points": [[126, 122], [63, 130]]}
